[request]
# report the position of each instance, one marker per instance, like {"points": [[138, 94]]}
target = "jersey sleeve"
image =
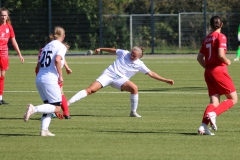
{"points": [[222, 42], [12, 34], [62, 51], [143, 68], [120, 52]]}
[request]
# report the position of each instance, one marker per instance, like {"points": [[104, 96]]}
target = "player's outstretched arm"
{"points": [[157, 77], [110, 50]]}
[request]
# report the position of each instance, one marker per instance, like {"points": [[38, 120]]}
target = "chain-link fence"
{"points": [[161, 24]]}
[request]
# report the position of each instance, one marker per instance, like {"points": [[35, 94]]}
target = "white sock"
{"points": [[81, 94], [45, 108], [46, 121], [0, 97], [134, 102]]}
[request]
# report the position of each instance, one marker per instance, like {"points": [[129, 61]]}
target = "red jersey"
{"points": [[210, 46], [6, 32]]}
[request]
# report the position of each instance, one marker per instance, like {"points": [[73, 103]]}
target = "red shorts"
{"points": [[218, 81], [4, 63]]}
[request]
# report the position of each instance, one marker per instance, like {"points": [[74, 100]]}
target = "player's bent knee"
{"points": [[135, 89]]}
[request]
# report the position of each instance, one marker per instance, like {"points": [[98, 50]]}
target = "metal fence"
{"points": [[183, 30], [33, 22]]}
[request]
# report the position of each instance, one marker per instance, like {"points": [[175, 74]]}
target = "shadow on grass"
{"points": [[150, 132], [82, 115], [175, 89], [5, 118], [16, 135], [93, 115]]}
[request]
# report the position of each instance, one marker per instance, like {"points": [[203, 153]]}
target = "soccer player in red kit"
{"points": [[212, 57], [6, 33]]}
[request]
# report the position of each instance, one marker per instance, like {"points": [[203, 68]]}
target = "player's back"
{"points": [[210, 46], [47, 68]]}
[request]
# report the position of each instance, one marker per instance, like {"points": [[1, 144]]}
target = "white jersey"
{"points": [[124, 67], [47, 69]]}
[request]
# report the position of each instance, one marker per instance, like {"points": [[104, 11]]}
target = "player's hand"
{"points": [[21, 59], [97, 50], [169, 81], [60, 80], [68, 70]]}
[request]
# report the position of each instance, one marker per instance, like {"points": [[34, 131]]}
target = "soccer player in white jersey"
{"points": [[48, 79], [118, 74]]}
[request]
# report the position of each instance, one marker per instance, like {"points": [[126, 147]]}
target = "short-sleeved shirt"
{"points": [[210, 46], [47, 70], [123, 66], [6, 32]]}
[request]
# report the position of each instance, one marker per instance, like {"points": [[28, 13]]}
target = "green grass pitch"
{"points": [[101, 128]]}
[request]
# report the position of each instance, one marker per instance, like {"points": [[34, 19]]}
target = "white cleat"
{"points": [[236, 59], [134, 114], [29, 112], [203, 130], [212, 117], [45, 133]]}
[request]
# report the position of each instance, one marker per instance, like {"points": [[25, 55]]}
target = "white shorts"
{"points": [[112, 80], [49, 92]]}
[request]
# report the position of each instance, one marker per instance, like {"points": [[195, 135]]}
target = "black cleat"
{"points": [[67, 117], [3, 102]]}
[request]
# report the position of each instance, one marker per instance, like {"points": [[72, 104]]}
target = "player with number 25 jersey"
{"points": [[47, 69], [48, 79]]}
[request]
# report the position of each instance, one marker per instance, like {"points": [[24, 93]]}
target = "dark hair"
{"points": [[141, 47], [216, 22]]}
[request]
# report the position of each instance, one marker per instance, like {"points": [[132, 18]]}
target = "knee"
{"points": [[134, 89], [235, 100]]}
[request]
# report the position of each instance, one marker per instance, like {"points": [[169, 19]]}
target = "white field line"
{"points": [[160, 62], [154, 92], [205, 93]]}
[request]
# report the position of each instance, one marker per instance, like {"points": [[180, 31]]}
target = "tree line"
{"points": [[81, 19]]}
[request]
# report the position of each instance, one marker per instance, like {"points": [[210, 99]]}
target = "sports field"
{"points": [[101, 128]]}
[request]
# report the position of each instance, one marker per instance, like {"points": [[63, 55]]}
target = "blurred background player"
{"points": [[49, 77], [64, 105], [118, 74], [6, 32], [238, 51], [212, 57]]}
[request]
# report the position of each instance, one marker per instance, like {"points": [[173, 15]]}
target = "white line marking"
{"points": [[154, 92]]}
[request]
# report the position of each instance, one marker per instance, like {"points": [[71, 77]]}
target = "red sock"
{"points": [[65, 106], [209, 108], [1, 85], [224, 106]]}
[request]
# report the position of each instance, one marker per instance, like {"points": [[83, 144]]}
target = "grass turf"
{"points": [[101, 128]]}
